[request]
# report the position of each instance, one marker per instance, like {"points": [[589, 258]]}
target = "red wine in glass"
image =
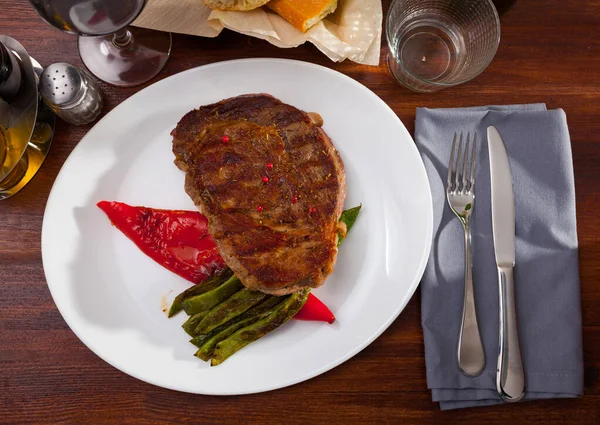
{"points": [[112, 51]]}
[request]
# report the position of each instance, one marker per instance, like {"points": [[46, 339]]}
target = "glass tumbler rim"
{"points": [[435, 83]]}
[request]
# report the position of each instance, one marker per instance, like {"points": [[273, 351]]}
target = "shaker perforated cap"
{"points": [[61, 84]]}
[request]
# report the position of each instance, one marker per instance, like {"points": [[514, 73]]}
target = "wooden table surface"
{"points": [[550, 52]]}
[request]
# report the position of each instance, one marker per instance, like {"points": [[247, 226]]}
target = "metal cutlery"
{"points": [[460, 193], [510, 378]]}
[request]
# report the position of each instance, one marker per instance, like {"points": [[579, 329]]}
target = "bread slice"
{"points": [[234, 4], [303, 14]]}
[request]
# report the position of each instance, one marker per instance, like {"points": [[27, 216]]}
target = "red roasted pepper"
{"points": [[179, 241], [314, 309]]}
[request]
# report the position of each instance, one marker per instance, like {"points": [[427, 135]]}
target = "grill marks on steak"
{"points": [[284, 247]]}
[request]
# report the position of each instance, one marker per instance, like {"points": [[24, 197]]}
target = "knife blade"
{"points": [[510, 377]]}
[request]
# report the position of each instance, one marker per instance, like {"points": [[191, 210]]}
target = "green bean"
{"points": [[191, 323], [207, 342], [231, 307], [198, 289], [265, 307], [259, 310], [207, 348], [206, 301], [242, 337]]}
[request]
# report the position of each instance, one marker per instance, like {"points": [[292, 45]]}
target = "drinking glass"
{"points": [[112, 51], [435, 44]]}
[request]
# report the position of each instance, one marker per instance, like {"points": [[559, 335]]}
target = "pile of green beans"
{"points": [[225, 316]]}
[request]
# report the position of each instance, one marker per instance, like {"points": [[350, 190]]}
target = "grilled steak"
{"points": [[272, 186]]}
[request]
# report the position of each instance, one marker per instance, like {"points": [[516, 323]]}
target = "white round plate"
{"points": [[111, 294]]}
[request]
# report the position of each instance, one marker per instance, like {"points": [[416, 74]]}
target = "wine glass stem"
{"points": [[122, 38]]}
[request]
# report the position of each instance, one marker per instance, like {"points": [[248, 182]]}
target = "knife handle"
{"points": [[510, 378]]}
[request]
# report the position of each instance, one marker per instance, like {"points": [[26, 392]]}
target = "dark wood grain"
{"points": [[550, 52]]}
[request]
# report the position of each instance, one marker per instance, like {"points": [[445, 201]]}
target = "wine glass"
{"points": [[112, 51]]}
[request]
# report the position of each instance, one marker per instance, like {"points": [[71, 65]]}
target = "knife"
{"points": [[510, 379]]}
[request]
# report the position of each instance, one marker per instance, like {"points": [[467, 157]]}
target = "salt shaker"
{"points": [[70, 93]]}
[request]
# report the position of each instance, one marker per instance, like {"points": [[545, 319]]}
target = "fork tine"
{"points": [[451, 164], [473, 158], [465, 163], [458, 164]]}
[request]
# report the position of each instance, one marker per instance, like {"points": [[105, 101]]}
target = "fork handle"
{"points": [[471, 356], [510, 379]]}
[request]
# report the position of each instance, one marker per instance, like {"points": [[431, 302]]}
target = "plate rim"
{"points": [[341, 359]]}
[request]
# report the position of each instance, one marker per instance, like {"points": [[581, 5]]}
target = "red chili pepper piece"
{"points": [[315, 310], [225, 139], [313, 210], [269, 166], [265, 179], [177, 240], [259, 208], [294, 199]]}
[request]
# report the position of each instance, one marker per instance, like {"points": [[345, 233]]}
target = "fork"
{"points": [[460, 193]]}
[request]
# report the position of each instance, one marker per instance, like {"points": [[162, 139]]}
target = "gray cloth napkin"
{"points": [[547, 269]]}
